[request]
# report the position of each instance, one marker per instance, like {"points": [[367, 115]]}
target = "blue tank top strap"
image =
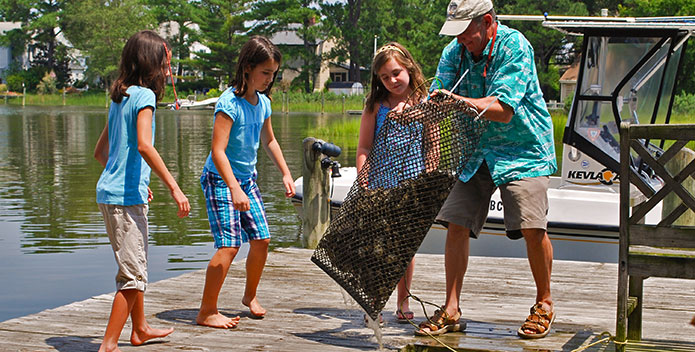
{"points": [[380, 117]]}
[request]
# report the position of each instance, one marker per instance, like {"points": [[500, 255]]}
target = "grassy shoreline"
{"points": [[328, 103], [342, 131]]}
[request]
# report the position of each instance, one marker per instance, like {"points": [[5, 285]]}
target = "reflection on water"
{"points": [[51, 231]]}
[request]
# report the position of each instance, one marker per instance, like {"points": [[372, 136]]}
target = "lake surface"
{"points": [[53, 246]]}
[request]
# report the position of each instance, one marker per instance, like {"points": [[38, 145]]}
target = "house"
{"points": [[76, 66], [171, 29], [330, 71], [568, 82], [6, 52]]}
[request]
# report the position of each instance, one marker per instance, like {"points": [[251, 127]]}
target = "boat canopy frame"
{"points": [[602, 98]]}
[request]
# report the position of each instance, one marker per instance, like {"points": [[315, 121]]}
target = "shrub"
{"points": [[14, 82], [568, 102], [30, 77], [3, 88], [47, 84], [684, 103], [214, 92]]}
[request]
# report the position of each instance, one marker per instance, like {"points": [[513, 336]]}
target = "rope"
{"points": [[424, 310], [607, 339], [171, 74]]}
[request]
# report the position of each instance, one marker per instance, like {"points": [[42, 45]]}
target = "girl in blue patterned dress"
{"points": [[397, 83]]}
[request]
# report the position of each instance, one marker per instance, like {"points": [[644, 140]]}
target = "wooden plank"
{"points": [[663, 131], [662, 236], [307, 312], [647, 265]]}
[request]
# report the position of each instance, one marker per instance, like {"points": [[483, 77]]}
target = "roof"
{"points": [[579, 27], [289, 36], [345, 84], [571, 74], [8, 26]]}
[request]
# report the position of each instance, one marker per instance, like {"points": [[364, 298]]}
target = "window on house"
{"points": [[338, 76]]}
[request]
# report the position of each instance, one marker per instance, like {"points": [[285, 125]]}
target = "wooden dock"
{"points": [[307, 312]]}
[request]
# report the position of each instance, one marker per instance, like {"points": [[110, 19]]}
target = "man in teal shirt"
{"points": [[516, 154]]}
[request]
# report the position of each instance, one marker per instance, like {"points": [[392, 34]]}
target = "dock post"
{"points": [[283, 102], [316, 205], [24, 94], [63, 96], [343, 104], [322, 103]]}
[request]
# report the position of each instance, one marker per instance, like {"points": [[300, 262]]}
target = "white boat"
{"points": [[190, 103], [582, 219]]}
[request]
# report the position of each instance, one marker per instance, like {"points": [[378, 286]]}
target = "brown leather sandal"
{"points": [[539, 321], [441, 323]]}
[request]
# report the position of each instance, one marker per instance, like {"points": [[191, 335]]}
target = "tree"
{"points": [[416, 26], [40, 29], [546, 42], [100, 29], [644, 8], [176, 16], [299, 16], [342, 25], [222, 30]]}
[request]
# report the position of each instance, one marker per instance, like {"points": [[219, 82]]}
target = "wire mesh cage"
{"points": [[415, 160]]}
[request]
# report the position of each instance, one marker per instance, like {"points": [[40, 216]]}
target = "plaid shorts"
{"points": [[230, 227]]}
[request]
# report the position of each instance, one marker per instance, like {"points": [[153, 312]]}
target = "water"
{"points": [[53, 245]]}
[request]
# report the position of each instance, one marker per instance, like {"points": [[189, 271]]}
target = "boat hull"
{"points": [[582, 222]]}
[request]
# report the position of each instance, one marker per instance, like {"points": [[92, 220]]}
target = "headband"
{"points": [[389, 47]]}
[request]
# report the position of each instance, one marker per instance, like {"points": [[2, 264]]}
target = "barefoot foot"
{"points": [[108, 347], [216, 320], [137, 338], [255, 308]]}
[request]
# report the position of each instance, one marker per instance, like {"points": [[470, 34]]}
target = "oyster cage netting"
{"points": [[416, 157]]}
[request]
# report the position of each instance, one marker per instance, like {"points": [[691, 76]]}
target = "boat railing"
{"points": [[665, 249]]}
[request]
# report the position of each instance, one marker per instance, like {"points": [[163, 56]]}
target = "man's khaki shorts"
{"points": [[127, 230], [525, 203]]}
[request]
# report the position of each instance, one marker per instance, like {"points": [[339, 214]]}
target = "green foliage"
{"points": [[684, 103], [40, 28], [300, 17], [47, 84], [214, 92], [568, 102], [550, 83], [221, 24], [200, 85], [30, 78], [14, 82], [177, 15], [100, 32], [3, 88]]}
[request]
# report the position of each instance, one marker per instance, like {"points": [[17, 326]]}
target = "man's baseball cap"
{"points": [[460, 13]]}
